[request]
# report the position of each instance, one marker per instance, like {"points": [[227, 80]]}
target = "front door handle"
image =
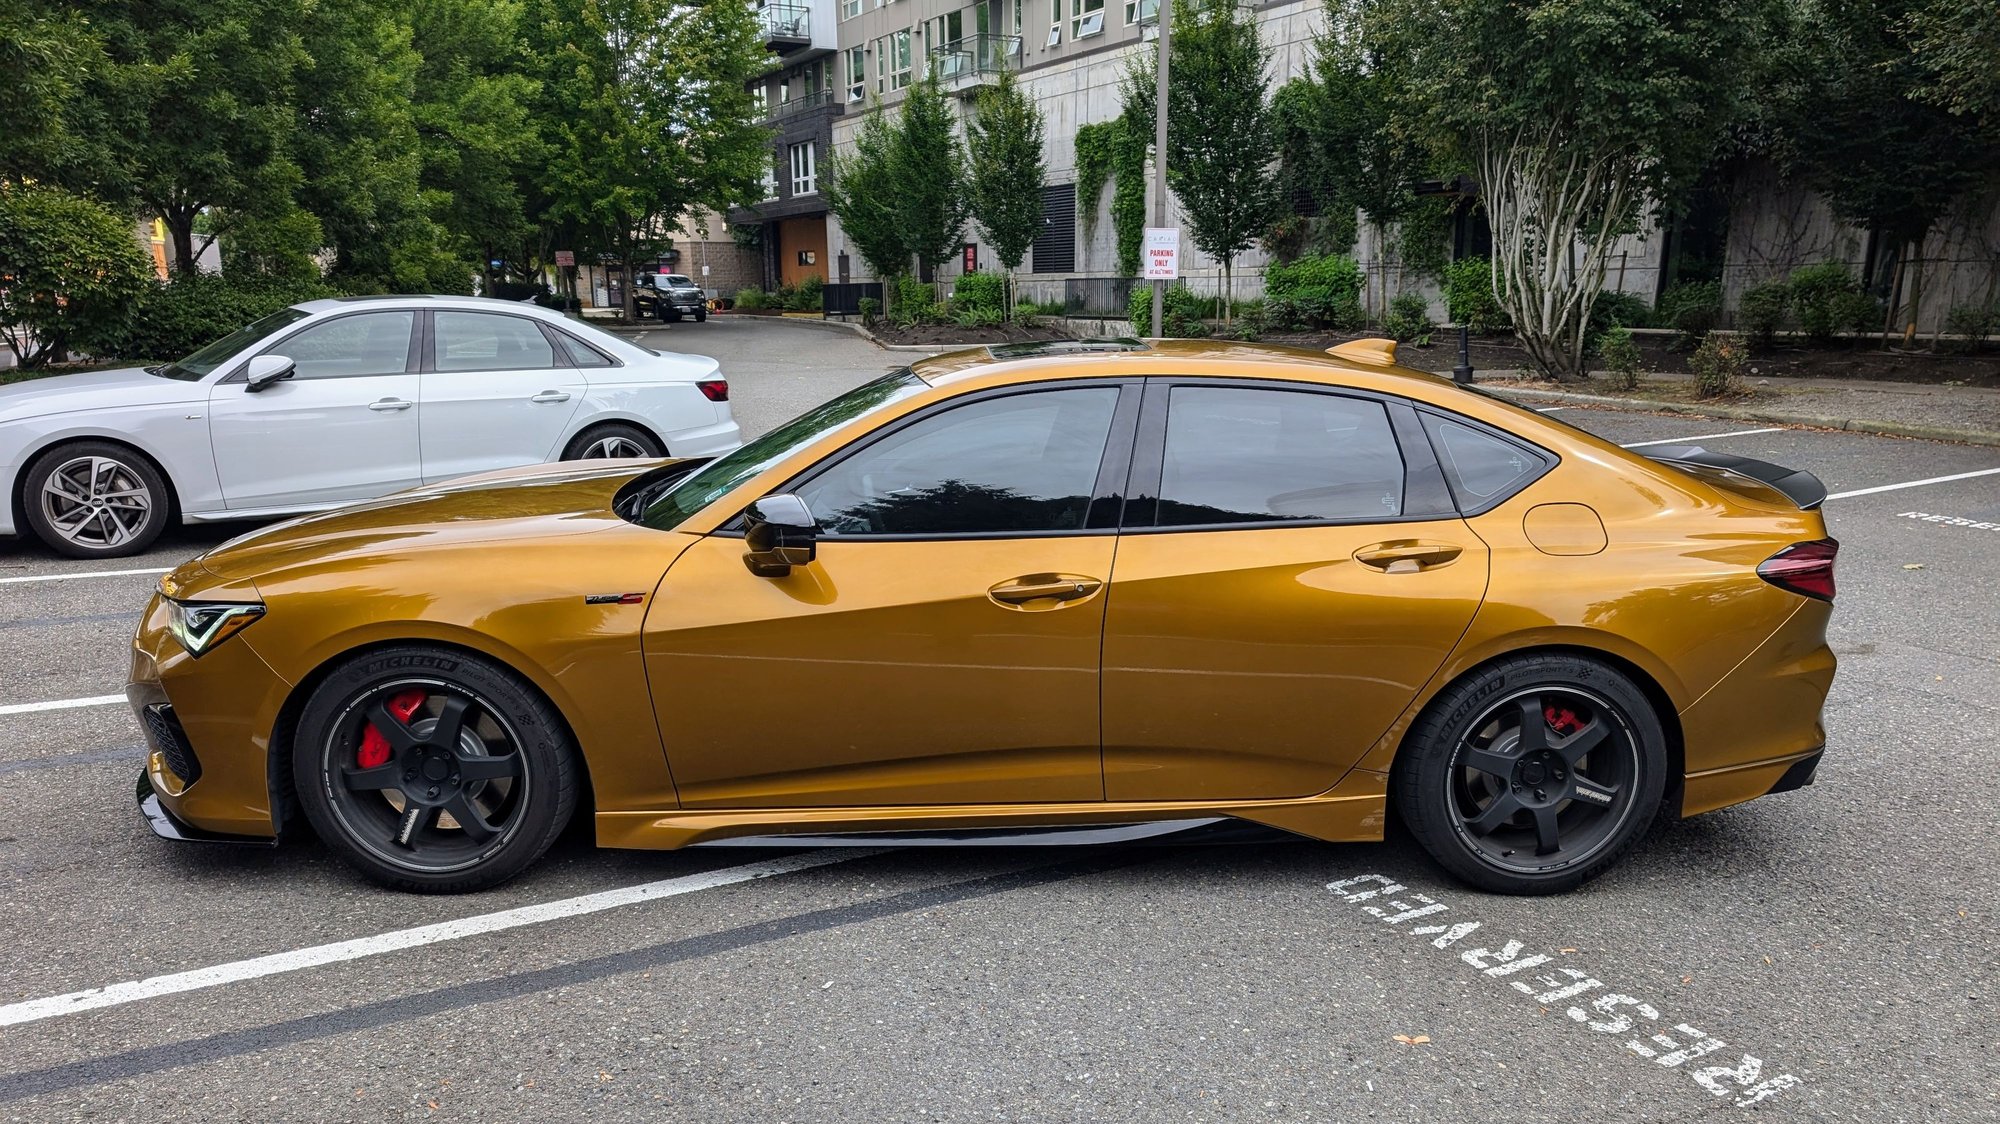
{"points": [[1035, 587], [391, 404], [1406, 557], [551, 396]]}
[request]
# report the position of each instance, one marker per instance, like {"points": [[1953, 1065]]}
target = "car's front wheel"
{"points": [[432, 770], [95, 499], [1534, 774]]}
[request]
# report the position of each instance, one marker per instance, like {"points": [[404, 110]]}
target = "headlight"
{"points": [[201, 625]]}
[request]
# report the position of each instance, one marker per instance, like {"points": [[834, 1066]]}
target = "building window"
{"points": [[771, 180], [849, 9], [803, 180], [1086, 18], [785, 91], [760, 99], [1141, 11], [857, 74], [892, 62]]}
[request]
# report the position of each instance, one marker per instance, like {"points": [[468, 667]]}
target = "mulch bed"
{"points": [[1495, 357], [948, 335]]}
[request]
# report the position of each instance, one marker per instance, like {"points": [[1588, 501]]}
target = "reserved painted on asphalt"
{"points": [[1607, 1012], [1949, 520]]}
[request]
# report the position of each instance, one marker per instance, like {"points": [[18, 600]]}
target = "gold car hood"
{"points": [[539, 501]]}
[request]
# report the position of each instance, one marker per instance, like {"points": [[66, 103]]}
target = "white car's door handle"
{"points": [[391, 404], [551, 396]]}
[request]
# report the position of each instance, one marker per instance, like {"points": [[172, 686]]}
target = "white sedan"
{"points": [[333, 401]]}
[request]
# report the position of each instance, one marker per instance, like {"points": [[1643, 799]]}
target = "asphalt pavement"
{"points": [[1823, 955]]}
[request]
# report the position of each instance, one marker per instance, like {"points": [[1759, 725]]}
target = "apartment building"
{"points": [[799, 101]]}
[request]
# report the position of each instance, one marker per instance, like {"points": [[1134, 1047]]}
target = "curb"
{"points": [[1740, 413]]}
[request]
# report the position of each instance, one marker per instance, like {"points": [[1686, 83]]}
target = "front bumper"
{"points": [[167, 826]]}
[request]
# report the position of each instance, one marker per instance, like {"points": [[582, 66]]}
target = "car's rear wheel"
{"points": [[1533, 775], [613, 440], [95, 499], [433, 770]]}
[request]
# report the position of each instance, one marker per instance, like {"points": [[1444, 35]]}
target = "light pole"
{"points": [[1160, 154]]}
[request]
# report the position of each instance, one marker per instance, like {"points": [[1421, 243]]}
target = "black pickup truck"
{"points": [[670, 296]]}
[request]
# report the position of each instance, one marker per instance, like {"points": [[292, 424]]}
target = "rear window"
{"points": [[1482, 467]]}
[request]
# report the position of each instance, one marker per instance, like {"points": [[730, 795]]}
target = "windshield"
{"points": [[687, 495], [204, 362], [679, 279]]}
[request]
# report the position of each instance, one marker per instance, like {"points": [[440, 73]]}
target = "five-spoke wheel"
{"points": [[432, 769], [94, 499], [613, 439], [1534, 774]]}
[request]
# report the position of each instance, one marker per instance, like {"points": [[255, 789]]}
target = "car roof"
{"points": [[430, 300], [1370, 358]]}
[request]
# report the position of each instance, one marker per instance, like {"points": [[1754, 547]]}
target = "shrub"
{"points": [[916, 303], [870, 309], [1621, 357], [750, 300], [1612, 310], [980, 290], [1182, 311], [809, 295], [1409, 319], [976, 316], [1691, 309], [1717, 364], [1817, 292], [1972, 324], [190, 311], [1469, 299], [1761, 311], [783, 296], [74, 274], [1324, 290], [1857, 312]]}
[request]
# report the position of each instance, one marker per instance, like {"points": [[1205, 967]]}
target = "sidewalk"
{"points": [[1901, 409]]}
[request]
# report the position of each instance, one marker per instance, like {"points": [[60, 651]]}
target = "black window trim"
{"points": [[1426, 496], [1548, 459], [1106, 500], [240, 371], [429, 365]]}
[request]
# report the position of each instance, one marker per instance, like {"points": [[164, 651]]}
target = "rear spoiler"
{"points": [[1802, 487]]}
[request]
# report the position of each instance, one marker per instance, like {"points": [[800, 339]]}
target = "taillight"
{"points": [[715, 390], [1804, 568]]}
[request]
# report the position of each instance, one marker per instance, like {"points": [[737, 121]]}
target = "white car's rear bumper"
{"points": [[708, 441]]}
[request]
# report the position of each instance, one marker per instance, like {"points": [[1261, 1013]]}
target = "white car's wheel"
{"points": [[613, 440], [94, 499]]}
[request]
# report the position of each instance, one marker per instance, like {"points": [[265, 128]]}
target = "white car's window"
{"points": [[371, 343], [481, 341], [581, 354]]}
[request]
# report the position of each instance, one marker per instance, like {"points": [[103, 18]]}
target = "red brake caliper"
{"points": [[1563, 721], [374, 747]]}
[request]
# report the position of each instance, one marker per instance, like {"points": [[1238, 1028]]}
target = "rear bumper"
{"points": [[708, 441]]}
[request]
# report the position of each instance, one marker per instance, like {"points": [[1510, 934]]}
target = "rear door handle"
{"points": [[551, 396], [391, 404], [1406, 557], [1038, 586]]}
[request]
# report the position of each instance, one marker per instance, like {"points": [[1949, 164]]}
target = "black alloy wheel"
{"points": [[1534, 775], [433, 770]]}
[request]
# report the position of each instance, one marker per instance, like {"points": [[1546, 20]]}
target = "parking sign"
{"points": [[1163, 253]]}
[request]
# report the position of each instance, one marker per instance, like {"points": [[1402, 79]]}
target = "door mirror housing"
{"points": [[780, 533], [266, 370]]}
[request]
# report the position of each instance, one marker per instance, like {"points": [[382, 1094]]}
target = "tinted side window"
{"points": [[1246, 455], [481, 341], [580, 353], [1482, 468], [1023, 463], [373, 343]]}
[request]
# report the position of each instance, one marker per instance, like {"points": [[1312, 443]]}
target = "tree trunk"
{"points": [[1228, 290], [179, 222], [630, 305]]}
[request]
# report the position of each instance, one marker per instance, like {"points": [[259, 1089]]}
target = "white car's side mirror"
{"points": [[265, 370]]}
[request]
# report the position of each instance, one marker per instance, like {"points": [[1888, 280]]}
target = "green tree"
{"points": [[1575, 117], [194, 107], [1956, 44], [646, 114], [74, 272], [1850, 117], [1004, 171], [928, 164], [45, 53], [1221, 138], [860, 189]]}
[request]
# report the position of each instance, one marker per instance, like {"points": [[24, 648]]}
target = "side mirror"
{"points": [[265, 370], [780, 532]]}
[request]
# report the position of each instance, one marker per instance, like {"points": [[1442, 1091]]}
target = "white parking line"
{"points": [[238, 971], [61, 704], [1701, 437], [1552, 409], [1912, 484], [82, 574]]}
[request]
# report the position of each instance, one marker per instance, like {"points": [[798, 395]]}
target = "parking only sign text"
{"points": [[1163, 253]]}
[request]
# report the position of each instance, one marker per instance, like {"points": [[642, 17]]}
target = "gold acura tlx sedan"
{"points": [[1046, 593]]}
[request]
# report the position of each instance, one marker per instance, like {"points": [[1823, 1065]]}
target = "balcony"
{"points": [[787, 27], [800, 106], [968, 65]]}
